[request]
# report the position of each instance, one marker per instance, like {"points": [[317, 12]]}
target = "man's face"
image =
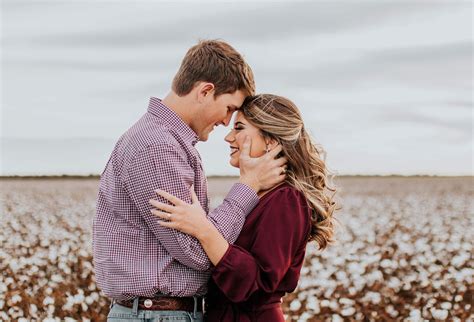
{"points": [[217, 111]]}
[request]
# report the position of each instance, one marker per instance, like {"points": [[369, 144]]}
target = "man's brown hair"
{"points": [[216, 62]]}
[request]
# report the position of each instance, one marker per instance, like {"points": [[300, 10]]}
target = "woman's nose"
{"points": [[229, 138]]}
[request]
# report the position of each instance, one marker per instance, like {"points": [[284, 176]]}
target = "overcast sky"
{"points": [[385, 87]]}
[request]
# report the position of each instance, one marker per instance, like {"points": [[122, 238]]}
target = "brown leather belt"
{"points": [[164, 303]]}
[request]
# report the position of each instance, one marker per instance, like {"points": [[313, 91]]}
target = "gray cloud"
{"points": [[363, 74], [235, 21], [409, 115]]}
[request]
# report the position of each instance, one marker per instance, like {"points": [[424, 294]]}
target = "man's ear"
{"points": [[204, 90]]}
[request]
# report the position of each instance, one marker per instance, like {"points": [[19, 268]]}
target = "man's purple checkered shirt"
{"points": [[133, 254]]}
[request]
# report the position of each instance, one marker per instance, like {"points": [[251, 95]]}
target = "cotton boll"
{"points": [[336, 318], [346, 301], [348, 311], [446, 305], [295, 305], [439, 314], [312, 304]]}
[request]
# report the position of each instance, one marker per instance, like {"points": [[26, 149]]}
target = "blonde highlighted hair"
{"points": [[279, 118]]}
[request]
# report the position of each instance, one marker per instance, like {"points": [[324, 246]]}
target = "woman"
{"points": [[250, 277]]}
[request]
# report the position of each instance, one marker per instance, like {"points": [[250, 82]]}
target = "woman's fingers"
{"points": [[168, 224], [161, 206], [194, 197], [161, 214], [174, 200]]}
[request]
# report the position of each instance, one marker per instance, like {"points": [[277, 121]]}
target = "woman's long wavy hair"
{"points": [[279, 119]]}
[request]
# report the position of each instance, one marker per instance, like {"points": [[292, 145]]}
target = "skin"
{"points": [[191, 218], [213, 111], [236, 138], [203, 111]]}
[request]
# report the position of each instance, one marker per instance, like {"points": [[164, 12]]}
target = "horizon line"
{"points": [[97, 176]]}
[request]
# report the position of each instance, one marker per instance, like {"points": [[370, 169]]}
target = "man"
{"points": [[146, 269]]}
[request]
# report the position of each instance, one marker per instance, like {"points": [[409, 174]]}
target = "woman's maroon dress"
{"points": [[265, 261]]}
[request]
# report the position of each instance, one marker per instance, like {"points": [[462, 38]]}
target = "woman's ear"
{"points": [[270, 143]]}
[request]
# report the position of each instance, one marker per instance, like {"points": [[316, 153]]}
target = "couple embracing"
{"points": [[160, 253]]}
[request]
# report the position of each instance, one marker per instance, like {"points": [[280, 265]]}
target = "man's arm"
{"points": [[164, 167]]}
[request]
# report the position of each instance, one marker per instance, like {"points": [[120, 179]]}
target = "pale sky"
{"points": [[385, 87]]}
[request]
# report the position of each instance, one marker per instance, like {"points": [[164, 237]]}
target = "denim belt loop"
{"points": [[195, 298], [135, 306]]}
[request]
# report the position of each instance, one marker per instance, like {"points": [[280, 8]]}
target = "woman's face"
{"points": [[236, 139]]}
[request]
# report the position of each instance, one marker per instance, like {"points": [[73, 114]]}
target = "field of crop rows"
{"points": [[404, 253]]}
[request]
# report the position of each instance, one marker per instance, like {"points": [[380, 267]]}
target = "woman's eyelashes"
{"points": [[238, 126]]}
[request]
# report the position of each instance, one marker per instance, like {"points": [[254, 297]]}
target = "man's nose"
{"points": [[227, 120]]}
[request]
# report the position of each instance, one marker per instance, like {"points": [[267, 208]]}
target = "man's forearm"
{"points": [[229, 217]]}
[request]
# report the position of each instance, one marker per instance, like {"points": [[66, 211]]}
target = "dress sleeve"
{"points": [[283, 226]]}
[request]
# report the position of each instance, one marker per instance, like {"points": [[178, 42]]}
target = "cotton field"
{"points": [[404, 252]]}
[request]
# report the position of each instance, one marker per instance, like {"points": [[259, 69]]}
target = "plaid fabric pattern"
{"points": [[133, 254]]}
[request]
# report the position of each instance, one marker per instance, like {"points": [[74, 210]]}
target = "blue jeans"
{"points": [[119, 313]]}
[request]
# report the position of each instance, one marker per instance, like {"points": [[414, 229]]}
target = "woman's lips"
{"points": [[233, 150]]}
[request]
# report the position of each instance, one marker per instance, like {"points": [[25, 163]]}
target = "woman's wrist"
{"points": [[213, 242], [205, 233]]}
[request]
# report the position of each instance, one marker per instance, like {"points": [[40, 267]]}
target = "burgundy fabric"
{"points": [[265, 261]]}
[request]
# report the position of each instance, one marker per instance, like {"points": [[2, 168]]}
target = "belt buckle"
{"points": [[148, 303]]}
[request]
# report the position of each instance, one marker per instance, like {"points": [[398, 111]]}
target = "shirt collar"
{"points": [[177, 125]]}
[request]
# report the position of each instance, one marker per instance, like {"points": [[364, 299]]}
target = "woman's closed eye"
{"points": [[239, 126]]}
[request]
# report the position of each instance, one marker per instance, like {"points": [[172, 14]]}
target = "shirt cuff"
{"points": [[245, 196]]}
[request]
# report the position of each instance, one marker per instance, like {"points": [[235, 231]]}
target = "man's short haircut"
{"points": [[216, 62]]}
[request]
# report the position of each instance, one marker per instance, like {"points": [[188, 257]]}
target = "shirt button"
{"points": [[148, 303]]}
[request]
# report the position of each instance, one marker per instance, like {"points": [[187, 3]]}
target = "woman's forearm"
{"points": [[213, 243]]}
